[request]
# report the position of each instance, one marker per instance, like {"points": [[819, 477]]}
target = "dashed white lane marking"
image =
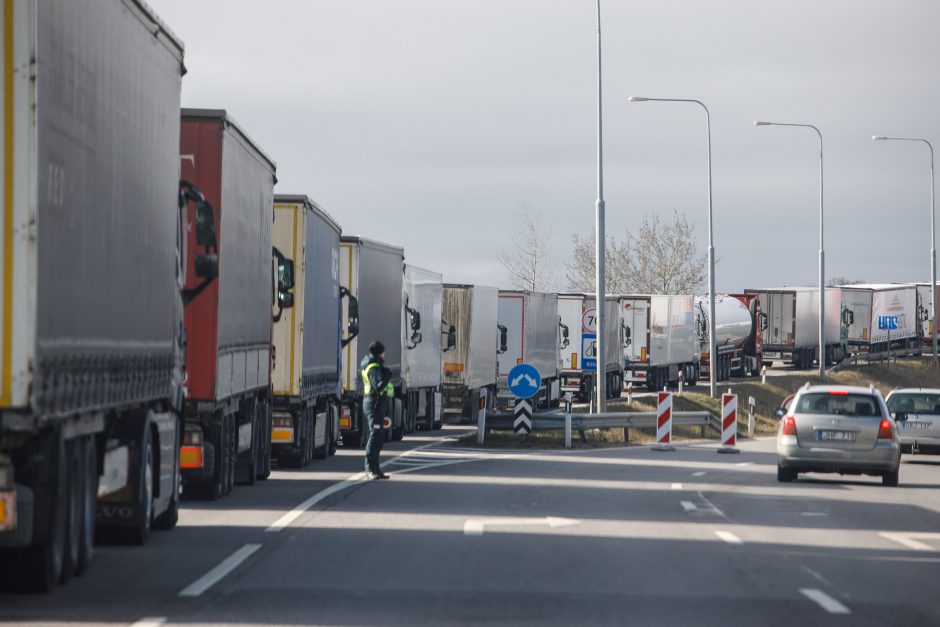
{"points": [[911, 540], [700, 473], [215, 575], [677, 486], [729, 537], [815, 575], [824, 601], [688, 506], [743, 464], [150, 621], [298, 511]]}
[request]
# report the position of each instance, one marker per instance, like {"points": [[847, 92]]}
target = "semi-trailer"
{"points": [[533, 336], [885, 316], [228, 325], [579, 359], [739, 323], [371, 279], [660, 339], [91, 385], [927, 301], [306, 338], [470, 365], [792, 333], [422, 335]]}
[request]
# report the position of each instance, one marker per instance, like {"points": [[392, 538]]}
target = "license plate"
{"points": [[772, 356], [837, 436], [913, 424]]}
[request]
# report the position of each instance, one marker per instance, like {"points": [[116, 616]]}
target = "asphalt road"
{"points": [[464, 537]]}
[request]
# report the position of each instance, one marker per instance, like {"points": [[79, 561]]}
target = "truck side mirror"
{"points": [[284, 271], [415, 320], [564, 334], [285, 300], [352, 314], [285, 275], [503, 339], [451, 338], [207, 266], [762, 321], [625, 334], [848, 317]]}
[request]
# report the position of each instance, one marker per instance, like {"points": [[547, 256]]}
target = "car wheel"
{"points": [[785, 475], [890, 479]]}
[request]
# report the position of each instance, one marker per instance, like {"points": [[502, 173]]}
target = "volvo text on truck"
{"points": [[578, 314], [533, 336], [660, 340], [371, 276], [470, 366], [792, 333], [91, 392], [228, 325], [423, 338], [306, 337], [739, 323]]}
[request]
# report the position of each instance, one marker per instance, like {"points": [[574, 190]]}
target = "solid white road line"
{"points": [[729, 537], [298, 511], [215, 575], [700, 473], [475, 527], [150, 621], [688, 506], [677, 486], [911, 540], [824, 601]]}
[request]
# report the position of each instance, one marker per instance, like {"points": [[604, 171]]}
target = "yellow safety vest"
{"points": [[389, 390]]}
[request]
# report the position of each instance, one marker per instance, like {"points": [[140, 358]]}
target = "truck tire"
{"points": [[324, 451], [246, 466], [42, 562], [86, 546], [137, 535], [264, 453], [398, 434], [231, 450], [73, 509]]}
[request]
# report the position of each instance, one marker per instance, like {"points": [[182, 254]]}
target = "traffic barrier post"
{"points": [[630, 392], [729, 423], [763, 375], [664, 423], [680, 382], [750, 416], [481, 416], [567, 419]]}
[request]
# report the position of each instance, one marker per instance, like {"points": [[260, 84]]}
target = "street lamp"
{"points": [[822, 251], [712, 341], [933, 235], [600, 291]]}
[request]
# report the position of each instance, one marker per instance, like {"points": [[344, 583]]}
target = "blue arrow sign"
{"points": [[524, 381]]}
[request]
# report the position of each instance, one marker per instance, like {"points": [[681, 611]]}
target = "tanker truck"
{"points": [[739, 323], [91, 389]]}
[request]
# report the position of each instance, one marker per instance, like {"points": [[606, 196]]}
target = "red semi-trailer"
{"points": [[228, 325]]}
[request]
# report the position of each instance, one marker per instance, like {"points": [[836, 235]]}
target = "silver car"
{"points": [[838, 429], [917, 414]]}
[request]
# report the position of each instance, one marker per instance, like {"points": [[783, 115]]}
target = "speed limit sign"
{"points": [[589, 321]]}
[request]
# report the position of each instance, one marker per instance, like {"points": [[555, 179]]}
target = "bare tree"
{"points": [[660, 258], [581, 270], [838, 281], [527, 260]]}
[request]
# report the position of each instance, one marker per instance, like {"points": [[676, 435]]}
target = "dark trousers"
{"points": [[375, 410]]}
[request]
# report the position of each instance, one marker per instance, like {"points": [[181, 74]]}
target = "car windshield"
{"points": [[841, 404], [915, 403]]}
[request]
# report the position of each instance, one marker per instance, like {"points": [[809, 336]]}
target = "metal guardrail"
{"points": [[555, 421]]}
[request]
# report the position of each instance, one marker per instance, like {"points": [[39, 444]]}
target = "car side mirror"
{"points": [[780, 412], [207, 266]]}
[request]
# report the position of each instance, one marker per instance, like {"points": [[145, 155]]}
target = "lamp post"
{"points": [[712, 341], [822, 250], [933, 236], [600, 291]]}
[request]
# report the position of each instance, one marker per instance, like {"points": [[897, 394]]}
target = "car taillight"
{"points": [[789, 426], [885, 432]]}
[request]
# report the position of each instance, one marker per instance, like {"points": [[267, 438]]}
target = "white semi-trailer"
{"points": [[579, 359], [92, 282], [660, 339], [469, 366], [792, 333], [533, 336], [884, 316], [926, 301], [422, 336]]}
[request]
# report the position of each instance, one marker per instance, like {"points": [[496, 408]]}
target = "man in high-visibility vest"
{"points": [[378, 391]]}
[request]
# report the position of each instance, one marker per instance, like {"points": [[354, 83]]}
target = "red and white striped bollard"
{"points": [[729, 423], [664, 423]]}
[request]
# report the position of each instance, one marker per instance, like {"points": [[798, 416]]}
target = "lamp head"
{"points": [[637, 99], [878, 137], [756, 123]]}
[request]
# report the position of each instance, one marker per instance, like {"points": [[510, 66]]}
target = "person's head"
{"points": [[377, 350]]}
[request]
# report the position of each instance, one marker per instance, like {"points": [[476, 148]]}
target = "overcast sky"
{"points": [[431, 123]]}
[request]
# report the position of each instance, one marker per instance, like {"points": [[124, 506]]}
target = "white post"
{"points": [[750, 416], [567, 419], [630, 392], [481, 416], [600, 259], [763, 374], [680, 383]]}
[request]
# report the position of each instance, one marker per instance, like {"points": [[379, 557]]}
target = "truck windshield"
{"points": [[858, 405], [915, 403]]}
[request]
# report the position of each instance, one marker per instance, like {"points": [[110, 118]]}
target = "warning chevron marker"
{"points": [[522, 417]]}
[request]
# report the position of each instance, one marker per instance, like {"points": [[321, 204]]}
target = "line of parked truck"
{"points": [[172, 327]]}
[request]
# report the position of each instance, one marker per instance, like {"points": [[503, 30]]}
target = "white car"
{"points": [[917, 414]]}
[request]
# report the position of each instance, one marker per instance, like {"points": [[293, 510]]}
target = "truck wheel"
{"points": [[73, 509], [42, 563], [86, 546], [246, 467], [137, 535], [324, 451], [264, 453], [398, 433], [168, 519], [231, 449]]}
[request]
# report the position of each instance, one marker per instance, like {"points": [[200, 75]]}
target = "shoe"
{"points": [[371, 476], [382, 475]]}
